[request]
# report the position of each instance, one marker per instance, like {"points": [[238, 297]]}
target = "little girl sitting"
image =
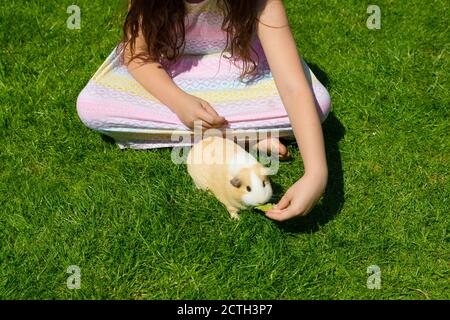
{"points": [[228, 63]]}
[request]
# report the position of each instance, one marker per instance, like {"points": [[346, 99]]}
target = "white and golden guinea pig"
{"points": [[233, 175]]}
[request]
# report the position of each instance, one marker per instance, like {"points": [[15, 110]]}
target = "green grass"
{"points": [[138, 229]]}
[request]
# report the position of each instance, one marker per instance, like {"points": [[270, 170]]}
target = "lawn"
{"points": [[138, 229]]}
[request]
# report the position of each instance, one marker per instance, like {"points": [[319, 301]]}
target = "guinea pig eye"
{"points": [[249, 189]]}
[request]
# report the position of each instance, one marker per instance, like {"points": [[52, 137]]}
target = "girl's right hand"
{"points": [[191, 110]]}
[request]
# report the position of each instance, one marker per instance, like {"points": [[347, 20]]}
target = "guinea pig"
{"points": [[229, 172]]}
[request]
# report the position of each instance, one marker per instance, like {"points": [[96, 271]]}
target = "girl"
{"points": [[228, 63]]}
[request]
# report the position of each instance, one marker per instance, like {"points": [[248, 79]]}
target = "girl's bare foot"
{"points": [[272, 145]]}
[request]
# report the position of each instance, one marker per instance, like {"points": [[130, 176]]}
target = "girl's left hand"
{"points": [[300, 198]]}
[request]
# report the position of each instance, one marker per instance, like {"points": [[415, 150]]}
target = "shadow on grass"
{"points": [[333, 198], [320, 74], [108, 139]]}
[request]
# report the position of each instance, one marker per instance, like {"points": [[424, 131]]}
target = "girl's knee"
{"points": [[323, 100], [325, 106], [89, 113]]}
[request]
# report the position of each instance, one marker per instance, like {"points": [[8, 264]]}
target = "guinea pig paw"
{"points": [[234, 214], [235, 217]]}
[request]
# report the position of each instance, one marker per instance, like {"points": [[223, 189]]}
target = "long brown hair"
{"points": [[161, 23]]}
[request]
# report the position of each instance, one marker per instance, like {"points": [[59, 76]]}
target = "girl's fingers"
{"points": [[281, 215], [208, 121], [218, 120], [283, 210], [201, 123], [205, 118], [206, 126], [284, 202], [210, 109], [287, 213]]}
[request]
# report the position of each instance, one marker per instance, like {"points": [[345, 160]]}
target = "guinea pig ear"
{"points": [[236, 182]]}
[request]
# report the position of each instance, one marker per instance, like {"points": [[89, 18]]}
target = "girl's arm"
{"points": [[153, 77], [159, 84], [284, 61]]}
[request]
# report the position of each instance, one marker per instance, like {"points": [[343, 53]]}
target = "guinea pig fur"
{"points": [[229, 172]]}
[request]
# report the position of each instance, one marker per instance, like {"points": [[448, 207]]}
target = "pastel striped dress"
{"points": [[115, 104]]}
